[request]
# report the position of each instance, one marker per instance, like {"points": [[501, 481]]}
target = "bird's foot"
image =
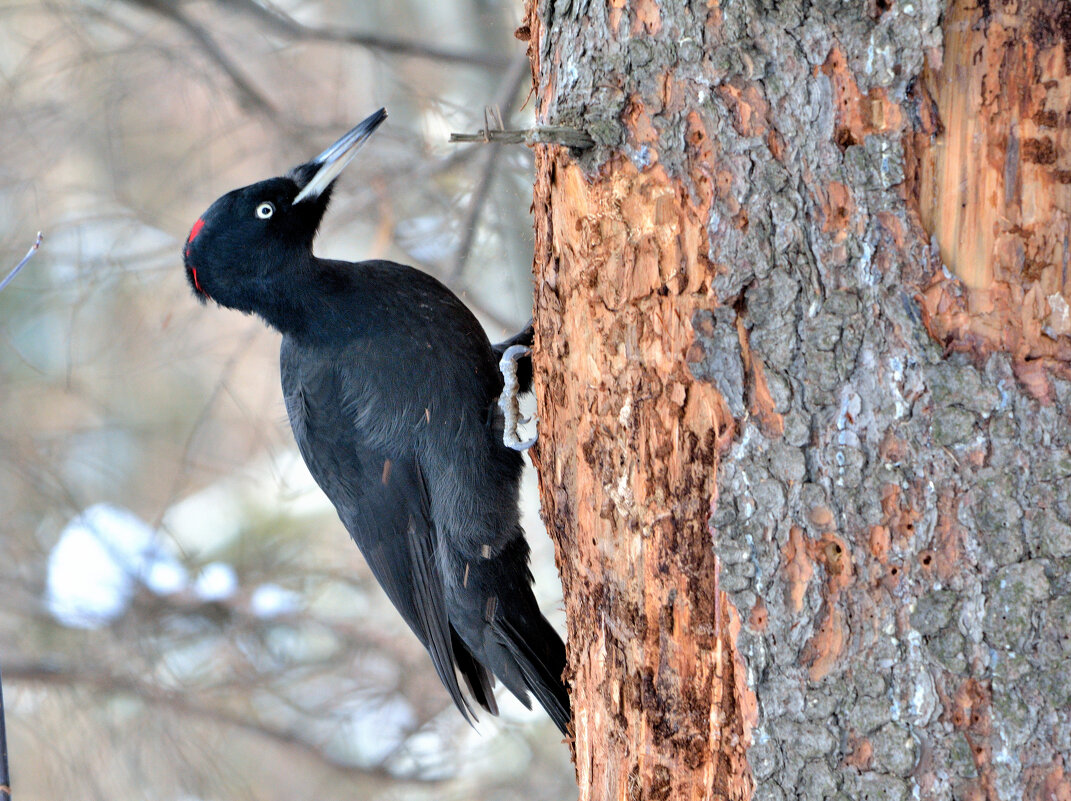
{"points": [[508, 402]]}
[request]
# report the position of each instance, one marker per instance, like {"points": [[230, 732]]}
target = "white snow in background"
{"points": [[271, 600], [163, 574], [429, 753], [217, 581], [100, 559], [106, 552]]}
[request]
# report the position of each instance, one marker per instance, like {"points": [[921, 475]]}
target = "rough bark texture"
{"points": [[735, 296]]}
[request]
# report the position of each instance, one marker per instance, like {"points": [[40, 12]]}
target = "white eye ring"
{"points": [[265, 210]]}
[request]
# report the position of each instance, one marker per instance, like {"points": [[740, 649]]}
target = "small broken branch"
{"points": [[13, 273], [511, 84], [540, 135]]}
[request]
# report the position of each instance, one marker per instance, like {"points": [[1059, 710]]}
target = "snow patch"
{"points": [[217, 581], [101, 558], [271, 600]]}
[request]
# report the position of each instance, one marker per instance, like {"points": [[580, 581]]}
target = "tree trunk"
{"points": [[803, 349]]}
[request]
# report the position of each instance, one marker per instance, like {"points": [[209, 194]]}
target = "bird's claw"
{"points": [[508, 402]]}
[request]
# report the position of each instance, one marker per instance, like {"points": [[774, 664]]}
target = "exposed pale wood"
{"points": [[994, 183], [661, 705]]}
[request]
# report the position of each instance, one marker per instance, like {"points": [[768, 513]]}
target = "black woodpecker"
{"points": [[391, 386]]}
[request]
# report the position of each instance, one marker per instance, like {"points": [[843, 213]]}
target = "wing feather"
{"points": [[391, 525], [383, 502]]}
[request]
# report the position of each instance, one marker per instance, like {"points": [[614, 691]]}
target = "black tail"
{"points": [[541, 657], [497, 621], [479, 681]]}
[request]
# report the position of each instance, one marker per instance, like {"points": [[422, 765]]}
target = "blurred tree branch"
{"points": [[21, 264], [286, 25], [255, 100], [5, 774], [153, 695], [248, 94]]}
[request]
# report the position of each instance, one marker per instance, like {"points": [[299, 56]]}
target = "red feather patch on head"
{"points": [[197, 226]]}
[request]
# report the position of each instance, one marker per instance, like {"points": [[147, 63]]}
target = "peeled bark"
{"points": [[808, 548]]}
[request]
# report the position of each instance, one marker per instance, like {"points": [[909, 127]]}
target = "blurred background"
{"points": [[182, 616]]}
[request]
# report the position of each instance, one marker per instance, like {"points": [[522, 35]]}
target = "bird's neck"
{"points": [[318, 304]]}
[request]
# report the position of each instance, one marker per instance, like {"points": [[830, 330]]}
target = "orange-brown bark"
{"points": [[994, 183], [661, 707], [658, 696]]}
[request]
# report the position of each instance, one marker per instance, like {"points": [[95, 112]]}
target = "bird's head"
{"points": [[245, 242]]}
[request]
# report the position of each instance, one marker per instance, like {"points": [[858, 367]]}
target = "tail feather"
{"points": [[480, 682], [541, 659]]}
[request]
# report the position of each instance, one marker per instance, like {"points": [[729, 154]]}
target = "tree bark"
{"points": [[802, 371]]}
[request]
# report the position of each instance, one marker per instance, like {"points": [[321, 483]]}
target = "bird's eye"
{"points": [[265, 210]]}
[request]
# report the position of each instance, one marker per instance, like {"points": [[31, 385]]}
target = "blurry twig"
{"points": [[181, 703], [250, 96], [265, 12], [5, 775], [220, 387], [19, 266]]}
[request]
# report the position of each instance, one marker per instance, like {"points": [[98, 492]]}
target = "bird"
{"points": [[390, 385]]}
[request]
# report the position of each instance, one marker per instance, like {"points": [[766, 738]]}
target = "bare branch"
{"points": [[21, 264], [179, 702], [511, 84], [249, 95], [540, 135], [5, 775]]}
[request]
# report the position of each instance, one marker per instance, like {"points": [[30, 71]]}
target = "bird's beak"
{"points": [[329, 164]]}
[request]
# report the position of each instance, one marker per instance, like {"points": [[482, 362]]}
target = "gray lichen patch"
{"points": [[1050, 535], [896, 751], [1013, 596], [955, 426], [933, 611]]}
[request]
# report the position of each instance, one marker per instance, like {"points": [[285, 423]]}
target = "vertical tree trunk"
{"points": [[808, 549]]}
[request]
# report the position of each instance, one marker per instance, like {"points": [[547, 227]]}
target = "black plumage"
{"points": [[391, 385]]}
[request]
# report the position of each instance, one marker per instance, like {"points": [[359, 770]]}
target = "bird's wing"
{"points": [[389, 520], [383, 502]]}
